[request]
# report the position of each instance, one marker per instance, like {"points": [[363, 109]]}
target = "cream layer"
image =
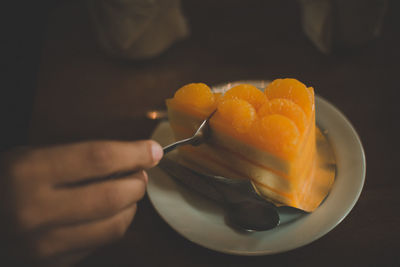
{"points": [[284, 182]]}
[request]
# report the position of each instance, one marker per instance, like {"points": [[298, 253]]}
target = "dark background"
{"points": [[83, 94]]}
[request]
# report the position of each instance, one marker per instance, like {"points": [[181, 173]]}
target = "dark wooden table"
{"points": [[84, 94]]}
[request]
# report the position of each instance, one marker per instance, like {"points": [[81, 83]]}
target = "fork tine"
{"points": [[201, 134]]}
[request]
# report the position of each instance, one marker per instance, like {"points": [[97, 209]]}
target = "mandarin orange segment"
{"points": [[293, 90], [286, 108], [278, 134], [218, 98], [239, 113], [198, 95], [247, 92]]}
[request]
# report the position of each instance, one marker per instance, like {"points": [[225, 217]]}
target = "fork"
{"points": [[201, 134]]}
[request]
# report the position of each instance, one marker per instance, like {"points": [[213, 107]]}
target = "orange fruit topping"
{"points": [[293, 90], [274, 120], [247, 92], [197, 95], [218, 97], [286, 108], [239, 113], [278, 134]]}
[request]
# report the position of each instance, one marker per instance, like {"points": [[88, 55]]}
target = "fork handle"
{"points": [[177, 144]]}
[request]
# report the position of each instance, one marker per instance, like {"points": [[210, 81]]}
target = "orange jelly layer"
{"points": [[268, 136]]}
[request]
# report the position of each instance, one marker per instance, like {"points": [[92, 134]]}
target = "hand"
{"points": [[59, 202]]}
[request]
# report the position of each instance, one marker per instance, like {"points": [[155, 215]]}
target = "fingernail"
{"points": [[157, 151]]}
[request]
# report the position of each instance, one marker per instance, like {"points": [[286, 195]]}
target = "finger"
{"points": [[69, 240], [75, 162], [95, 201]]}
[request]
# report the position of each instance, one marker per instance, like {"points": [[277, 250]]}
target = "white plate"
{"points": [[202, 222]]}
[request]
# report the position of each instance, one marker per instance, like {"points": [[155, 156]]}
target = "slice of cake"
{"points": [[268, 137]]}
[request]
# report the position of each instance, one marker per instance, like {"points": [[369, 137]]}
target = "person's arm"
{"points": [[63, 202], [55, 204]]}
